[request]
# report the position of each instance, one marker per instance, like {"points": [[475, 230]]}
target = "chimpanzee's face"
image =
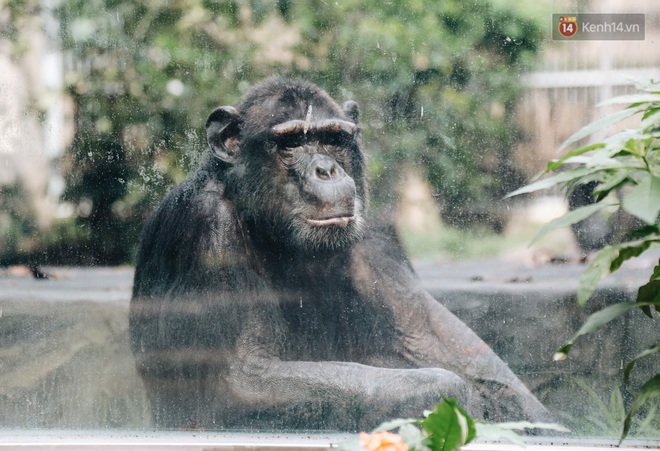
{"points": [[298, 171], [317, 199]]}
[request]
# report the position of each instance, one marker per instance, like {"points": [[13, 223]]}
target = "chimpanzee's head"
{"points": [[294, 167]]}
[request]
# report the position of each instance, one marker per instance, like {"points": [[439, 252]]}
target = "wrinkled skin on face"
{"points": [[263, 300]]}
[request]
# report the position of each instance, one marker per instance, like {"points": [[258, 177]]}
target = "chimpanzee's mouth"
{"points": [[341, 221]]}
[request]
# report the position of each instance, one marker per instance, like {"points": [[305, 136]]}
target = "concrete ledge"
{"points": [[205, 441]]}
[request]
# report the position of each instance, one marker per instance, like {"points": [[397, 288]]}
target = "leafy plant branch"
{"points": [[445, 428], [625, 169]]}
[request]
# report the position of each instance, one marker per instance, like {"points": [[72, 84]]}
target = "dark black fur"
{"points": [[261, 299]]}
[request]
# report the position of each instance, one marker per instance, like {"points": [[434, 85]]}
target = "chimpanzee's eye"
{"points": [[337, 152], [288, 154], [334, 138], [340, 153], [290, 140]]}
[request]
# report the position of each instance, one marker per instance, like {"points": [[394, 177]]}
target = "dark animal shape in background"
{"points": [[263, 300]]}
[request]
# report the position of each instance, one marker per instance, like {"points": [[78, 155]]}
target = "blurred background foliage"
{"points": [[436, 81]]}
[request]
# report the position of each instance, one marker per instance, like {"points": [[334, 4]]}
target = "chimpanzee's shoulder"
{"points": [[202, 186]]}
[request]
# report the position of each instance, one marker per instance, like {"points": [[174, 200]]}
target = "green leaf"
{"points": [[649, 117], [608, 260], [653, 229], [618, 141], [553, 165], [649, 390], [413, 437], [656, 272], [448, 426], [471, 429], [643, 200], [645, 353], [649, 294], [594, 323], [629, 250], [635, 147], [493, 432], [572, 217], [597, 270], [597, 125], [505, 431], [611, 181], [396, 423], [604, 410], [549, 182], [633, 98], [648, 86]]}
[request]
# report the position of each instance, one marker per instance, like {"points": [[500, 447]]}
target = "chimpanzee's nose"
{"points": [[330, 186], [327, 170]]}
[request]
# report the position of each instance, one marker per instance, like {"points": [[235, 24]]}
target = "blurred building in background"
{"points": [[574, 76]]}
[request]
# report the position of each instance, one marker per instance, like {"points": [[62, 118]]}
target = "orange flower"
{"points": [[382, 441]]}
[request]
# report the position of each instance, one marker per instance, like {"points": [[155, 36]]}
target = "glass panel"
{"points": [[185, 246]]}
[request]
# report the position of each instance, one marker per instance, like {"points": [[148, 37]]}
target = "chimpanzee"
{"points": [[263, 299]]}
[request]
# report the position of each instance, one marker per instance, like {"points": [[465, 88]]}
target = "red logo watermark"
{"points": [[568, 26]]}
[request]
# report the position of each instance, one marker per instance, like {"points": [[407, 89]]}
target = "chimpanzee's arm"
{"points": [[429, 335]]}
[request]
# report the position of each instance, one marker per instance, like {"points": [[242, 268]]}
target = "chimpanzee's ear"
{"points": [[352, 110], [222, 132]]}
